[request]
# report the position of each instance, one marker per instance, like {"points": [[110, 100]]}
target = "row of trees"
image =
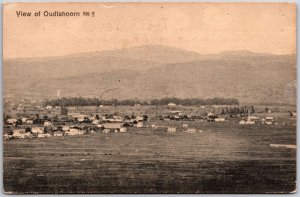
{"points": [[195, 101], [238, 110], [80, 101]]}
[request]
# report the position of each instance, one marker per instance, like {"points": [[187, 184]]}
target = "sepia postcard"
{"points": [[149, 98]]}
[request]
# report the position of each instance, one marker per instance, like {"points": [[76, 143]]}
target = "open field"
{"points": [[226, 158]]}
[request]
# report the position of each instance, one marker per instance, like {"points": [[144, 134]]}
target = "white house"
{"points": [[65, 128], [74, 115], [11, 121], [74, 132], [48, 107], [16, 131], [80, 132], [92, 118], [6, 136], [185, 126], [112, 125], [47, 123], [139, 118], [58, 134], [92, 131], [106, 131], [269, 120], [191, 130], [171, 129], [249, 122], [95, 122], [21, 133], [37, 130], [139, 124], [118, 118], [252, 118], [210, 114], [80, 119], [42, 135], [123, 130], [29, 122], [171, 105], [242, 122]]}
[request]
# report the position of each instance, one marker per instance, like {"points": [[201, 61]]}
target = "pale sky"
{"points": [[205, 28]]}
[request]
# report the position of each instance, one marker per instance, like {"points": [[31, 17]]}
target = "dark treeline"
{"points": [[80, 101], [195, 101], [238, 110]]}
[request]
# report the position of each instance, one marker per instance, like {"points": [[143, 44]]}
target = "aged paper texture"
{"points": [[149, 98]]}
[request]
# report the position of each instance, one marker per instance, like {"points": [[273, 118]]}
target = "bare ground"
{"points": [[226, 158]]}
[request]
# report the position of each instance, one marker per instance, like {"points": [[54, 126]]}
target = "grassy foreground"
{"points": [[226, 158]]}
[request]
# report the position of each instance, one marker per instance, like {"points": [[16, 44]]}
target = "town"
{"points": [[35, 119]]}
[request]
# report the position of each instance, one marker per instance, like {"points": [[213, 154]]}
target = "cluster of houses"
{"points": [[179, 116], [183, 128], [247, 119], [268, 120], [42, 122], [72, 124]]}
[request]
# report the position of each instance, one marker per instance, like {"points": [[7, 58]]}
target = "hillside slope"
{"points": [[250, 77]]}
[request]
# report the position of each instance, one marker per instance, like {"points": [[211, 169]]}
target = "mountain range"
{"points": [[155, 71]]}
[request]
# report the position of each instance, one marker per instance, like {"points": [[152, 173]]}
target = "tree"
{"points": [[223, 111], [19, 122], [64, 111], [267, 110], [28, 129], [80, 101], [6, 117], [37, 121], [252, 109], [145, 118]]}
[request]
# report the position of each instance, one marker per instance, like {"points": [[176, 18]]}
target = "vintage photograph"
{"points": [[149, 98]]}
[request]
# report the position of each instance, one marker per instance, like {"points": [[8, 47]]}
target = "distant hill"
{"points": [[155, 53], [136, 58], [156, 71]]}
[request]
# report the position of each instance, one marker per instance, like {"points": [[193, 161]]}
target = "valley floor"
{"points": [[225, 158]]}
